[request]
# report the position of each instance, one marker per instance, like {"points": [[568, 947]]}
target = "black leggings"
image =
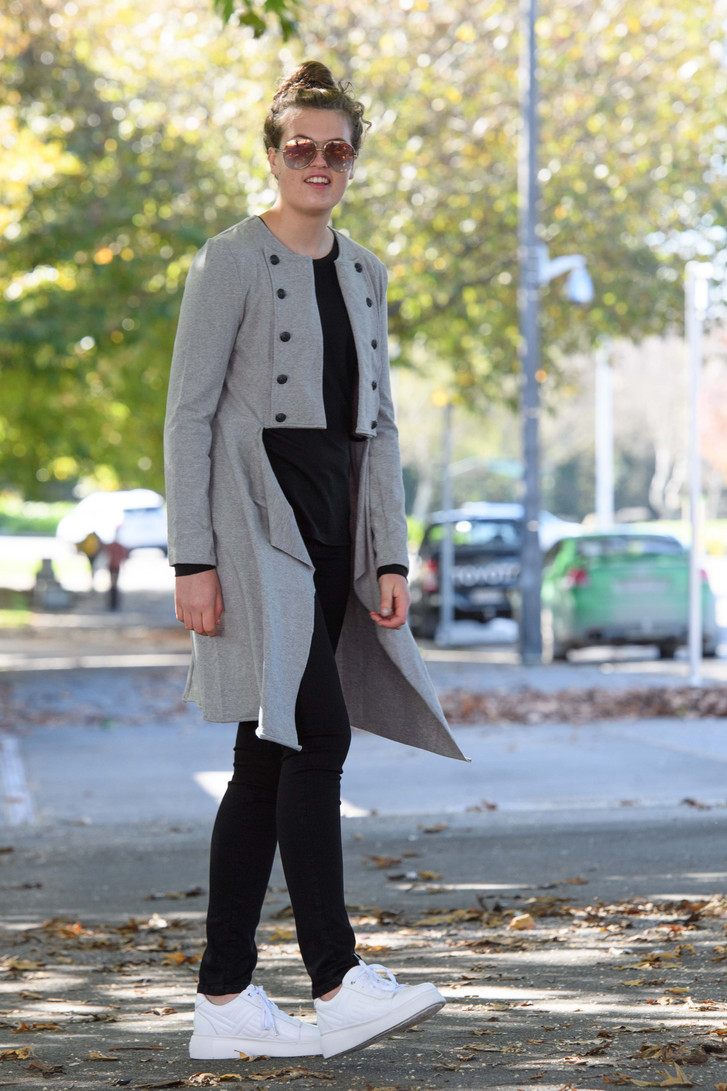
{"points": [[291, 798]]}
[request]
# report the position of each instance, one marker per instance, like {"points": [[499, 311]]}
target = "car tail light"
{"points": [[576, 577], [430, 577]]}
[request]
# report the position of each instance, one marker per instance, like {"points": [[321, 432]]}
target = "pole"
{"points": [[528, 304], [446, 555], [695, 309], [604, 439]]}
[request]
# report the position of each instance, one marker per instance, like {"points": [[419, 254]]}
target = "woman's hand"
{"points": [[198, 602], [395, 601]]}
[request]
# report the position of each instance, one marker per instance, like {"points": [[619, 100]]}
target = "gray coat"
{"points": [[249, 355]]}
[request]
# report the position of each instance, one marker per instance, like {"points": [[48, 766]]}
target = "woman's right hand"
{"points": [[198, 602]]}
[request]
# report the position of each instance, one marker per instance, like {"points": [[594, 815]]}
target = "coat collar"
{"points": [[271, 244]]}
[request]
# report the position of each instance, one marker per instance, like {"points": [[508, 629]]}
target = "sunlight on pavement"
{"points": [[215, 784]]}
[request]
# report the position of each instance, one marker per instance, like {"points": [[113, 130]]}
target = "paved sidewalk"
{"points": [[567, 889], [572, 954]]}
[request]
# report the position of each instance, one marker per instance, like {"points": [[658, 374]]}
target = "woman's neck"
{"points": [[302, 234]]}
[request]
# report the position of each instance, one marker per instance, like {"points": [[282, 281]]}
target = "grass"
{"points": [[18, 516], [15, 610]]}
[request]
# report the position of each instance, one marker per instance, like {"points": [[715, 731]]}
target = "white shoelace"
{"points": [[371, 978], [267, 1008]]}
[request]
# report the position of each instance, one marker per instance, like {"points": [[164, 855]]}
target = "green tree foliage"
{"points": [[130, 133], [260, 17]]}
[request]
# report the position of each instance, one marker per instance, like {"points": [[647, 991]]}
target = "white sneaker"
{"points": [[368, 1007], [249, 1024]]}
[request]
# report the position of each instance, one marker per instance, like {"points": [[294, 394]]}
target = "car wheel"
{"points": [[667, 649]]}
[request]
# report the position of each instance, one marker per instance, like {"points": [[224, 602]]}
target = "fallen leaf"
{"points": [[195, 892], [94, 1055], [448, 916], [668, 1079], [281, 935], [177, 958], [677, 1079], [159, 1011], [577, 881], [428, 875], [159, 1085], [21, 965], [678, 990], [16, 1054], [372, 948], [291, 1073], [436, 828], [114, 1048], [382, 861], [32, 1028], [45, 1069], [521, 922]]}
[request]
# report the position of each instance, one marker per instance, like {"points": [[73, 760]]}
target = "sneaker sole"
{"points": [[208, 1047], [349, 1039]]}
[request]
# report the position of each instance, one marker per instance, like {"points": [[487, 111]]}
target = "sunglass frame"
{"points": [[299, 141]]}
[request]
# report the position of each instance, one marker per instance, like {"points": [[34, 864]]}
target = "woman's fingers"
{"points": [[198, 602], [394, 603]]}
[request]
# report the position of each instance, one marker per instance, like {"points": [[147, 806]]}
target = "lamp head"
{"points": [[579, 287]]}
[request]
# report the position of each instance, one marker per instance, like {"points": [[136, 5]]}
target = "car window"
{"points": [[628, 545], [491, 533]]}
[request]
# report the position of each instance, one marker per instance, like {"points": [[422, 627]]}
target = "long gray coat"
{"points": [[249, 355]]}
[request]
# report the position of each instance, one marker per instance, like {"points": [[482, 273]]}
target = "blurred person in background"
{"points": [[289, 541]]}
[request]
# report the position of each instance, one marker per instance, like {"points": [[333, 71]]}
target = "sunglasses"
{"points": [[301, 151]]}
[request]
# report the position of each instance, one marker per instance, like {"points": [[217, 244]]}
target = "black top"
{"points": [[312, 464]]}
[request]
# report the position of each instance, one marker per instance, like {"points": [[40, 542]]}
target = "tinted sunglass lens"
{"points": [[299, 154], [338, 155]]}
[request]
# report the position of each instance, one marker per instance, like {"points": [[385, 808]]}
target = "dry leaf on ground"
{"points": [[16, 1054], [521, 922]]}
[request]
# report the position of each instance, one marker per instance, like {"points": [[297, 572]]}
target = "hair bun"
{"points": [[311, 75]]}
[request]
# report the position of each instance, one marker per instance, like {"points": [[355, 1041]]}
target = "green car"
{"points": [[622, 587]]}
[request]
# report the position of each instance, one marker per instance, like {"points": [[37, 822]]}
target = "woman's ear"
{"points": [[271, 160]]}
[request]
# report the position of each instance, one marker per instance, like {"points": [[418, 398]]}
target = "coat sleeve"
{"points": [[387, 512], [211, 312]]}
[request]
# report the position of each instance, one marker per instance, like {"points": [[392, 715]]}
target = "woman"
{"points": [[288, 537]]}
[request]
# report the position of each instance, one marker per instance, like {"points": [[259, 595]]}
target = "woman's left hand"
{"points": [[395, 601]]}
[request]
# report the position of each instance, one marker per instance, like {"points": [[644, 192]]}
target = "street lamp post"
{"points": [[696, 302], [528, 304], [604, 438], [535, 269], [444, 635]]}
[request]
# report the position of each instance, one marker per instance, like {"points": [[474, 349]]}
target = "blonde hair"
{"points": [[312, 85]]}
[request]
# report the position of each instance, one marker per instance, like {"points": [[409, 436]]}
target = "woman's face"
{"points": [[316, 188]]}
